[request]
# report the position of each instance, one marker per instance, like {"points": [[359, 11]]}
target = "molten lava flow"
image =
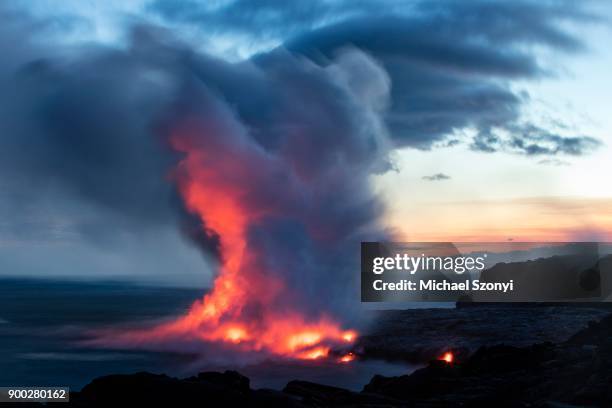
{"points": [[347, 358], [448, 357], [244, 308]]}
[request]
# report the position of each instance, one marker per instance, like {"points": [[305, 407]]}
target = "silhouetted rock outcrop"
{"points": [[206, 389], [318, 395], [584, 277]]}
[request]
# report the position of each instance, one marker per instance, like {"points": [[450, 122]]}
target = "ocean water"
{"points": [[43, 321]]}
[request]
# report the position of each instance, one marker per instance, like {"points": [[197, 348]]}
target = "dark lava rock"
{"points": [[318, 395], [596, 333], [229, 379], [503, 358], [577, 372], [145, 388], [494, 376], [206, 389], [561, 277], [419, 335]]}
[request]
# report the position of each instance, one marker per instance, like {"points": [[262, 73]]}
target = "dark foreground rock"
{"points": [[571, 373], [211, 389], [577, 372]]}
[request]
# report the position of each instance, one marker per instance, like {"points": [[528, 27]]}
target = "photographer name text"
{"points": [[433, 285]]}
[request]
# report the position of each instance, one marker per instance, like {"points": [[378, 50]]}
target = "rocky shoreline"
{"points": [[575, 370], [419, 335]]}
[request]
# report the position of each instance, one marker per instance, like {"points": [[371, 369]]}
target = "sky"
{"points": [[497, 197], [492, 120]]}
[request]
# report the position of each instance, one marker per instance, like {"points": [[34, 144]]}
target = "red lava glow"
{"points": [[247, 307], [347, 358], [448, 357]]}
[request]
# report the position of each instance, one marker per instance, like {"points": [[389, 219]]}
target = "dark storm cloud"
{"points": [[79, 126], [451, 67], [86, 133], [532, 140], [436, 177], [450, 62], [84, 126]]}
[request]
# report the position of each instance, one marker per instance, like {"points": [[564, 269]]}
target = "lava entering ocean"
{"points": [[248, 308], [279, 180]]}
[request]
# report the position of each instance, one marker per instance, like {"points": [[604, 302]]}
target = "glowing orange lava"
{"points": [[247, 307], [347, 358], [448, 357]]}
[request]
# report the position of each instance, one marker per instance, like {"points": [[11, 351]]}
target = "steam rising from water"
{"points": [[273, 158]]}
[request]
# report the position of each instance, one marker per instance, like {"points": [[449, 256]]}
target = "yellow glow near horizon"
{"points": [[496, 197], [552, 219]]}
